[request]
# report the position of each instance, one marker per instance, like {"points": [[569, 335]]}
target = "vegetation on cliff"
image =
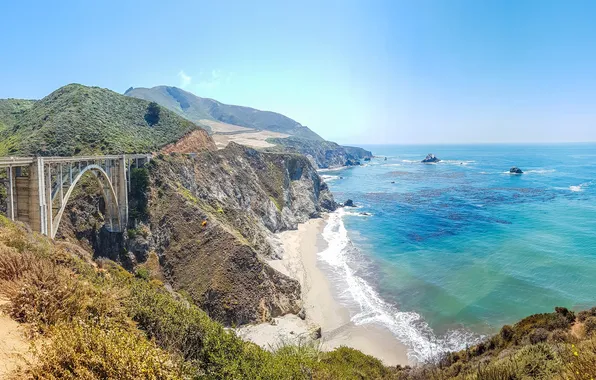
{"points": [[94, 320], [77, 119], [559, 345]]}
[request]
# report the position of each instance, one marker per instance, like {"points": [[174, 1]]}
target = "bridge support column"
{"points": [[38, 216], [11, 200], [122, 191]]}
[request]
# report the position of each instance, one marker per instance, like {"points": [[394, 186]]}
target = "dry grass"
{"points": [[103, 351]]}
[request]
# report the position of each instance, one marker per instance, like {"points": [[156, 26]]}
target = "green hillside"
{"points": [[77, 119], [11, 110], [196, 108]]}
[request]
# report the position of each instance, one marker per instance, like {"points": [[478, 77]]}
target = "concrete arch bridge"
{"points": [[38, 188]]}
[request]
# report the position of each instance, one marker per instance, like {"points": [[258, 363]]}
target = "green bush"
{"points": [[152, 114], [537, 361], [348, 363], [139, 186], [143, 273]]}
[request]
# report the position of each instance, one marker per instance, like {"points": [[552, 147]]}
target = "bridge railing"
{"points": [[31, 198]]}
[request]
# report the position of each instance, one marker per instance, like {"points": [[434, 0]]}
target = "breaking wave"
{"points": [[408, 327], [580, 187]]}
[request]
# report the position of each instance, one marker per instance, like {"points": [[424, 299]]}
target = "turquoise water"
{"points": [[455, 250]]}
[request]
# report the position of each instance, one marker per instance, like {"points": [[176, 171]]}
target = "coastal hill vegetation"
{"points": [[77, 119], [94, 320]]}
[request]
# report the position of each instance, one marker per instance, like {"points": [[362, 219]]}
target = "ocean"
{"points": [[444, 254]]}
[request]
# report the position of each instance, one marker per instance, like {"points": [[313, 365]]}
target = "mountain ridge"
{"points": [[296, 137], [196, 108]]}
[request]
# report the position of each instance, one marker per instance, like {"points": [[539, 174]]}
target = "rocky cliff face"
{"points": [[210, 220], [323, 154]]}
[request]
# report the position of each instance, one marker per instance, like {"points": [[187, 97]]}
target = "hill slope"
{"points": [[77, 119], [246, 126], [195, 109], [11, 110]]}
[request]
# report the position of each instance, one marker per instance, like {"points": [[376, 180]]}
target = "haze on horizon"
{"points": [[357, 72]]}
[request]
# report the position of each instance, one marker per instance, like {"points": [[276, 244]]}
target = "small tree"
{"points": [[152, 114]]}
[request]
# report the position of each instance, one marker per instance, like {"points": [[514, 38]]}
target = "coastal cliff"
{"points": [[209, 221], [323, 154]]}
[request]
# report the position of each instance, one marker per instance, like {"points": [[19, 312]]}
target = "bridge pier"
{"points": [[39, 198]]}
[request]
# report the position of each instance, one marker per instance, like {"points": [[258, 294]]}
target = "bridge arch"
{"points": [[108, 192]]}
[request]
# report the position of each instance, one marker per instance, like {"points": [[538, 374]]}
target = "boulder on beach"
{"points": [[515, 170], [431, 158], [349, 203]]}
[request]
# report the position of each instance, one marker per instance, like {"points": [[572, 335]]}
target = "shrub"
{"points": [[188, 331], [538, 335], [582, 315], [506, 333], [143, 273], [152, 114], [348, 363], [558, 336], [569, 315], [103, 351], [139, 185], [590, 325], [537, 361], [579, 361]]}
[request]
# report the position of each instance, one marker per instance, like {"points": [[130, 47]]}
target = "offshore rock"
{"points": [[515, 170], [351, 162], [430, 158]]}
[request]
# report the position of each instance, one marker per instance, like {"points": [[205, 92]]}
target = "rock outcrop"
{"points": [[209, 219], [515, 170], [430, 158], [323, 154]]}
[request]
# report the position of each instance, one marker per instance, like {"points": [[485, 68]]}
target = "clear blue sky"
{"points": [[416, 71]]}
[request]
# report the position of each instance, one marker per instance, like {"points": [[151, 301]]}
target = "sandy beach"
{"points": [[320, 303]]}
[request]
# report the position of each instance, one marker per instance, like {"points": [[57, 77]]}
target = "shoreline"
{"points": [[321, 305]]}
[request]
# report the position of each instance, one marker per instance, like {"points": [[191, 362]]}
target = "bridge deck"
{"points": [[24, 161]]}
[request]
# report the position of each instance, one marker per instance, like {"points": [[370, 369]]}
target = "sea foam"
{"points": [[408, 327]]}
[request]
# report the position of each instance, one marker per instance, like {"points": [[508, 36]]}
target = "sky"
{"points": [[368, 72]]}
